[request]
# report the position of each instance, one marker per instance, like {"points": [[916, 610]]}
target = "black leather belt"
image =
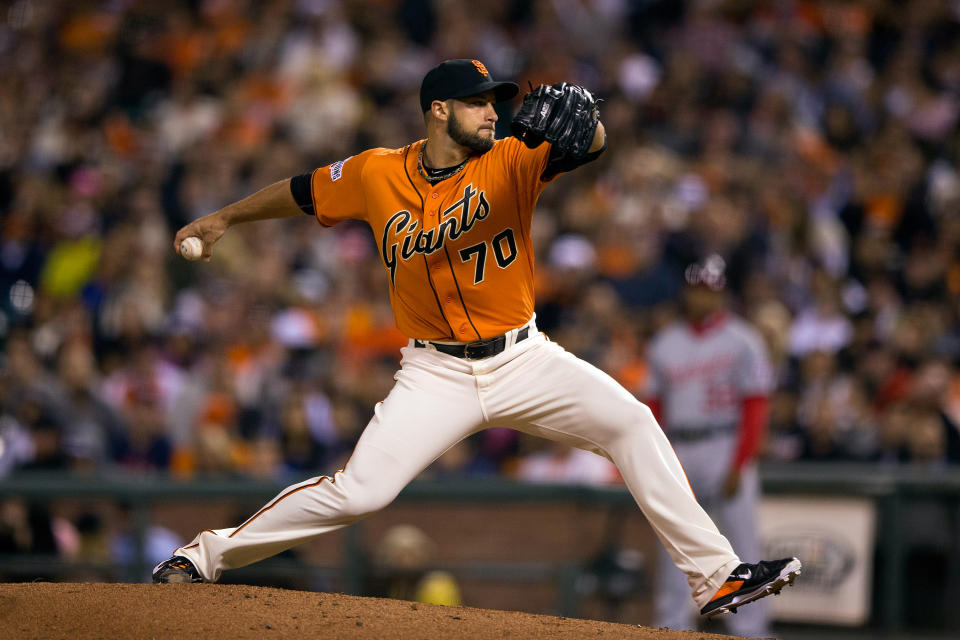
{"points": [[475, 350]]}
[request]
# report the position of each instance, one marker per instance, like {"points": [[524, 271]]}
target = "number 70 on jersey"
{"points": [[504, 247]]}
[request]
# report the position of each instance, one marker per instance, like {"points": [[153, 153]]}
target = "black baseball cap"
{"points": [[461, 78]]}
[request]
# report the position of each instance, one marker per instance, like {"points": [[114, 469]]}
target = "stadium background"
{"points": [[813, 144]]}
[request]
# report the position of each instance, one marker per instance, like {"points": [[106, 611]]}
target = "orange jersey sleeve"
{"points": [[337, 190]]}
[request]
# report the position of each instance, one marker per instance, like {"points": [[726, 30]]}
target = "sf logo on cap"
{"points": [[479, 65]]}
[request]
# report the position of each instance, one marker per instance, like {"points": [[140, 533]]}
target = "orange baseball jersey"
{"points": [[458, 253]]}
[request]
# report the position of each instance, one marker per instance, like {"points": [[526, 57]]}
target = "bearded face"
{"points": [[476, 141]]}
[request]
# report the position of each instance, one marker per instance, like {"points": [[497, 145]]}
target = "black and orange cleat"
{"points": [[750, 582], [176, 570]]}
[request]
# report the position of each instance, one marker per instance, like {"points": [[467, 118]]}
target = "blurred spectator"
{"points": [[145, 390], [31, 529], [821, 326], [92, 429], [402, 569], [117, 536]]}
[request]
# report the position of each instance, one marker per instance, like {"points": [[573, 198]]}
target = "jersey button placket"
{"points": [[443, 277]]}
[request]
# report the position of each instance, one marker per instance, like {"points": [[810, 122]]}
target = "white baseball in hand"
{"points": [[191, 248]]}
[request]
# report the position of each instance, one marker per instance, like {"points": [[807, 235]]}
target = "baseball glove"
{"points": [[565, 115]]}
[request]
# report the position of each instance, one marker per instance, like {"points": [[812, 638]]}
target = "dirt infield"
{"points": [[79, 611]]}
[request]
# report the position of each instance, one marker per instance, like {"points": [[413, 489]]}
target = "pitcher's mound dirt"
{"points": [[209, 611]]}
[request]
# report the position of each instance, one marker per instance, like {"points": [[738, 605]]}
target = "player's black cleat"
{"points": [[750, 582], [176, 570]]}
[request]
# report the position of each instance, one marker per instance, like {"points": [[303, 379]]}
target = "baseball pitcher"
{"points": [[709, 383], [451, 215]]}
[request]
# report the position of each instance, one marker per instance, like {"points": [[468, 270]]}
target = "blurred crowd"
{"points": [[813, 144]]}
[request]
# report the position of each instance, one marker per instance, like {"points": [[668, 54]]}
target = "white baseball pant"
{"points": [[533, 386]]}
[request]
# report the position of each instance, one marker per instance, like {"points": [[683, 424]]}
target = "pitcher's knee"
{"points": [[362, 505], [632, 424], [639, 420]]}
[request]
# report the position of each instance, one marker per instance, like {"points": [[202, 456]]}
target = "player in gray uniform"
{"points": [[709, 383]]}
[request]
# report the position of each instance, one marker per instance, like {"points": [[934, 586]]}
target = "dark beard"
{"points": [[473, 141]]}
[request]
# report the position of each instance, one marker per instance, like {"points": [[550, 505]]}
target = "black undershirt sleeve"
{"points": [[300, 189], [559, 164]]}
